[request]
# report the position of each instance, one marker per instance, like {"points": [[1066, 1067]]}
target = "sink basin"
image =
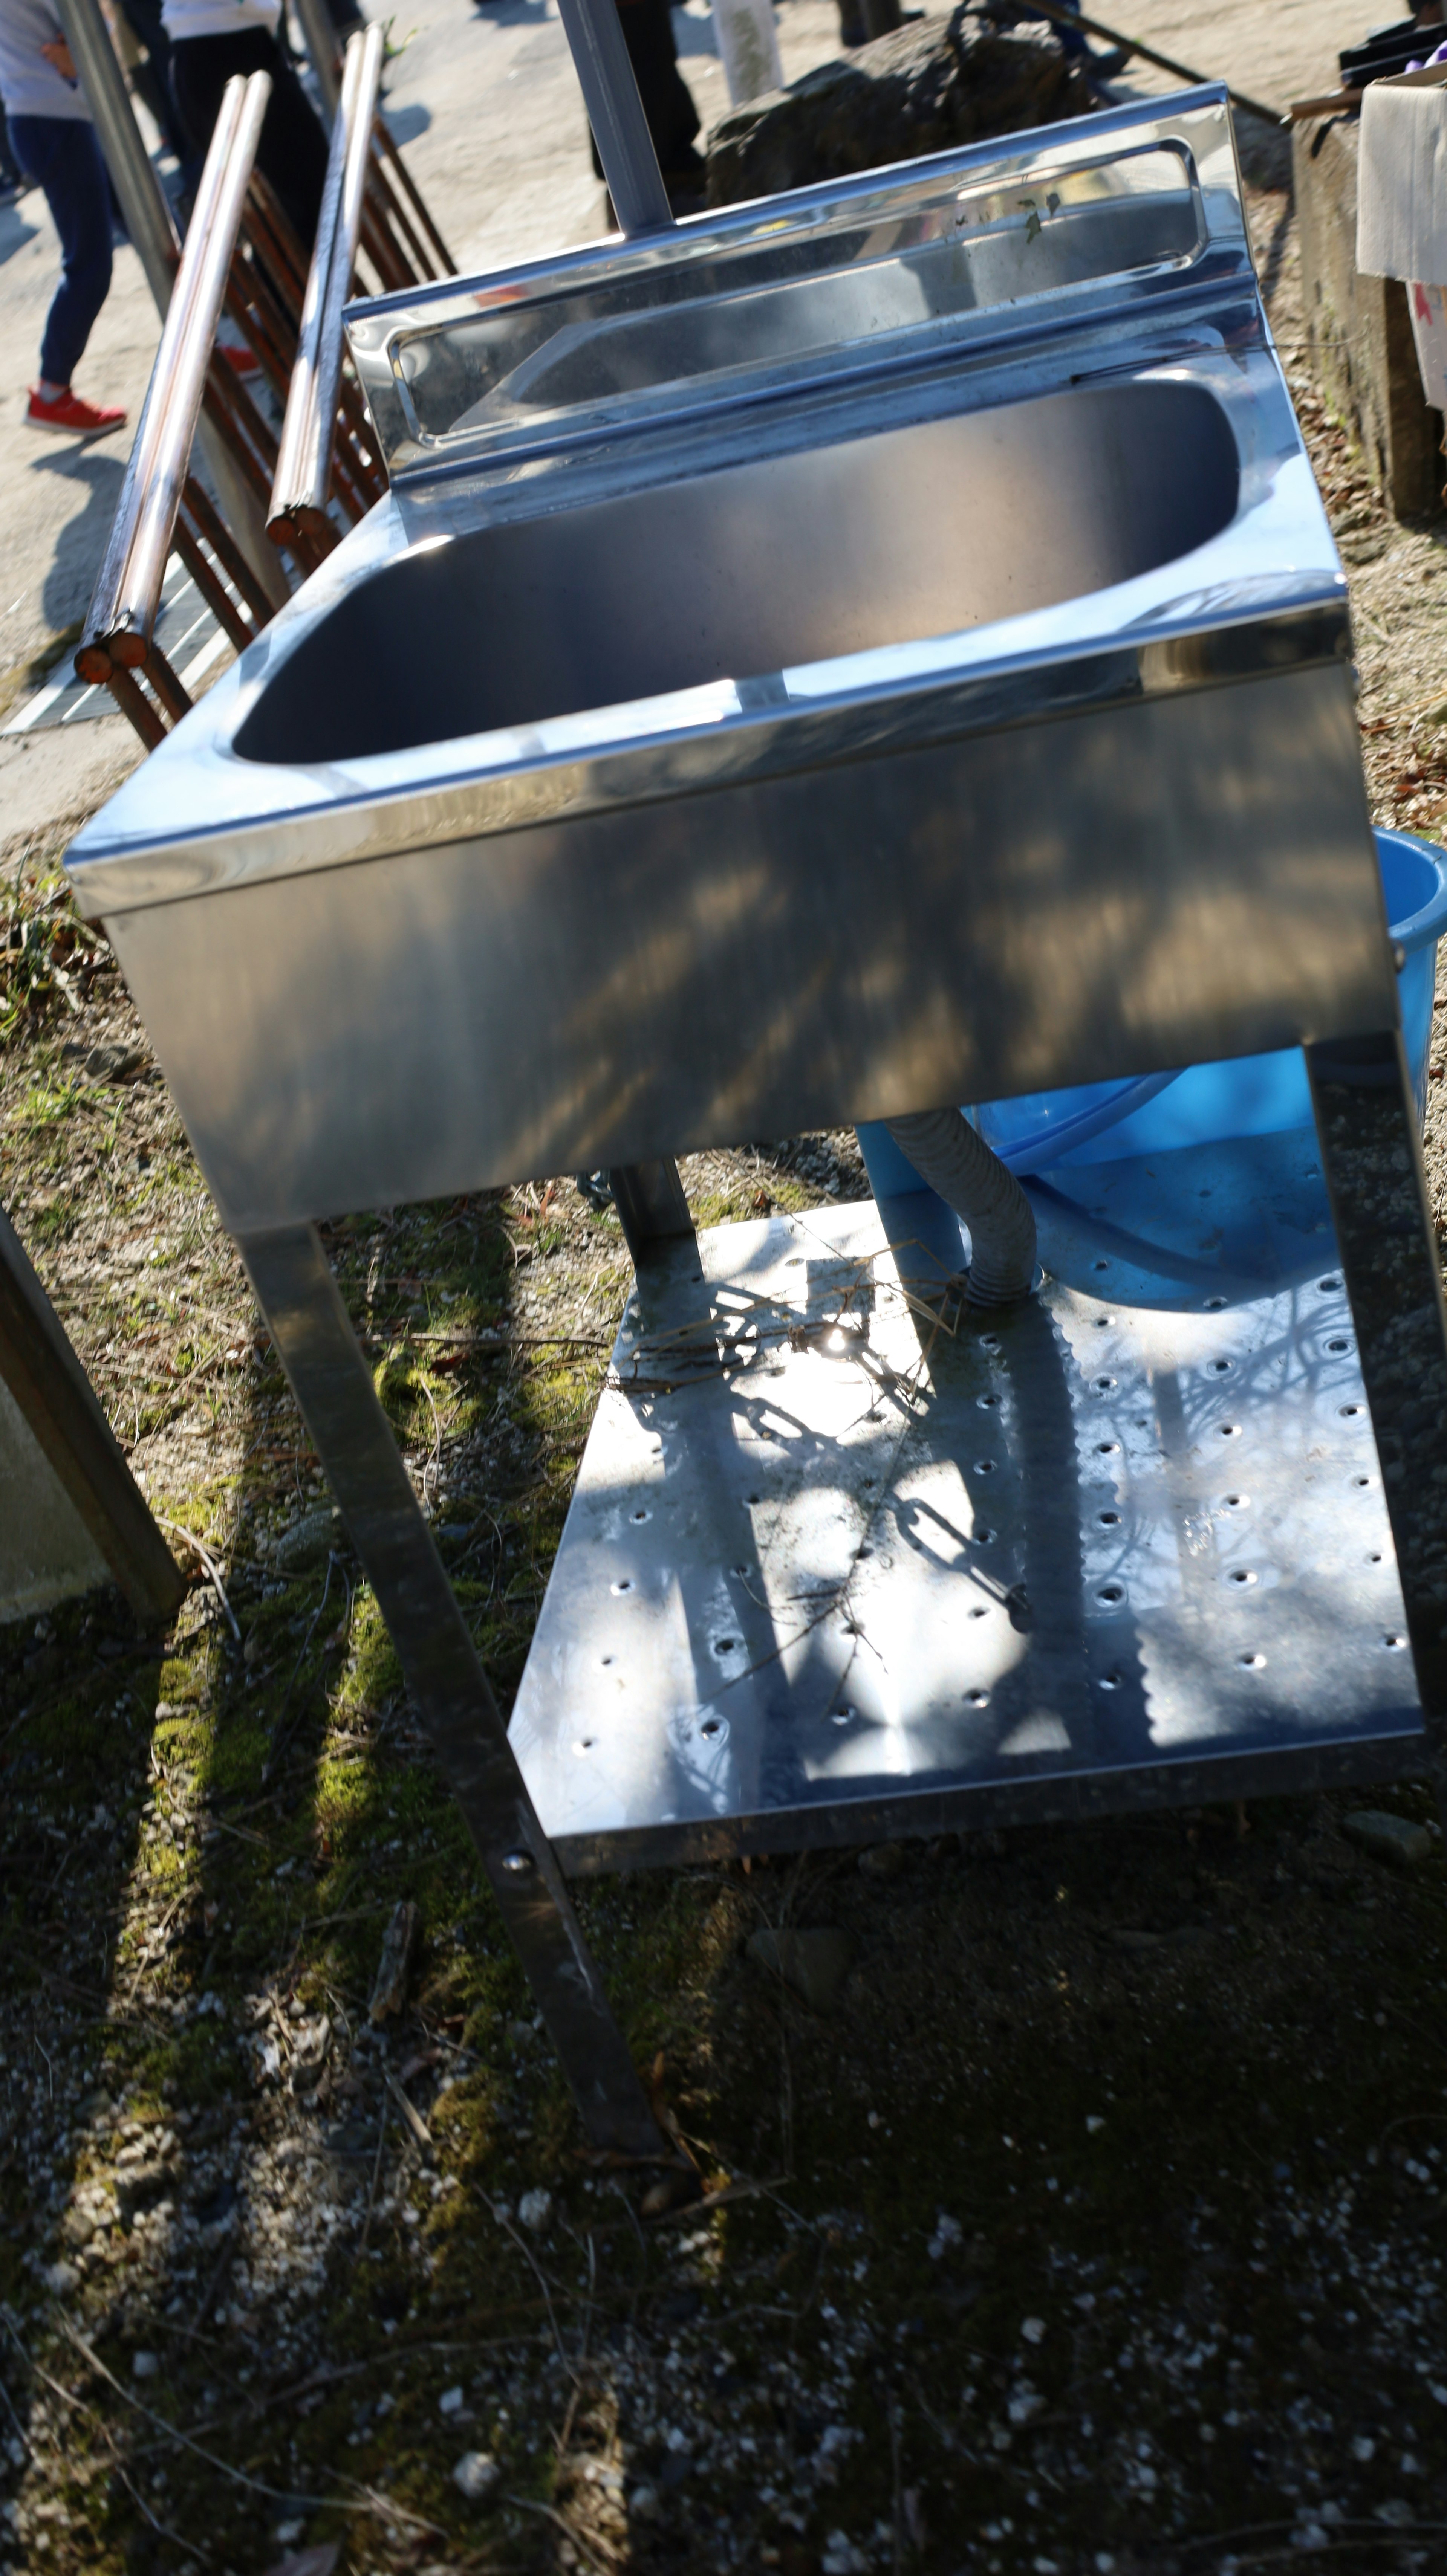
{"points": [[918, 532], [878, 648]]}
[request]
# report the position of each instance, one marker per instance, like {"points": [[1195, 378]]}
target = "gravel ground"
{"points": [[1091, 2218]]}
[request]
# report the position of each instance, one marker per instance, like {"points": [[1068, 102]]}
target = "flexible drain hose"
{"points": [[947, 1152]]}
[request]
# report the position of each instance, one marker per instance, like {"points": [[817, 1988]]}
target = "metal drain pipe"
{"points": [[960, 1167]]}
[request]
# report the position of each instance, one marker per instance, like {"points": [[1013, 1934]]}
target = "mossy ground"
{"points": [[1101, 2225]]}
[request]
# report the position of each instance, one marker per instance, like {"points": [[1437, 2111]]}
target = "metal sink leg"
{"points": [[651, 1205], [354, 1441], [1371, 1151]]}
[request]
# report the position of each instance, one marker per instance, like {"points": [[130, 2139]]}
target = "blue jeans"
{"points": [[62, 156]]}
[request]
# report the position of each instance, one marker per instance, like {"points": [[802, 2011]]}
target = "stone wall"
{"points": [[1358, 328]]}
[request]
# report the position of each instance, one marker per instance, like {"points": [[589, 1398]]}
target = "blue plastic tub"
{"points": [[1207, 1104]]}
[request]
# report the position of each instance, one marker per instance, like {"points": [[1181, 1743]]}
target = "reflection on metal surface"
{"points": [[902, 265], [842, 1556], [693, 701]]}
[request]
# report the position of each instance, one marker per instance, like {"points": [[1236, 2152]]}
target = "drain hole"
{"points": [[1253, 1663], [1237, 1502], [1361, 1480], [585, 1744], [984, 1537], [1230, 1430], [984, 1466], [987, 1403], [842, 1716], [725, 1645], [1349, 1412], [1328, 1287], [626, 1585], [1213, 1305], [979, 1611], [1107, 1448], [1110, 1520], [989, 1341], [711, 1727], [1111, 1592], [1241, 1574], [1337, 1346], [1100, 1265], [1218, 1368], [1110, 1681], [642, 1515], [978, 1698], [1394, 1645], [1103, 1385]]}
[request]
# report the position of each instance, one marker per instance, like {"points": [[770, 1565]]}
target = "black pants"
{"points": [[667, 104], [293, 149]]}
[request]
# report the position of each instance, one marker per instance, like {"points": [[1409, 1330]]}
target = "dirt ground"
{"points": [[1097, 2225]]}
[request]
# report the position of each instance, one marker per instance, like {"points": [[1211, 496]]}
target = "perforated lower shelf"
{"points": [[843, 1560]]}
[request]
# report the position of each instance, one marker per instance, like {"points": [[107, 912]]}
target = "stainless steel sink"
{"points": [[871, 650], [877, 648]]}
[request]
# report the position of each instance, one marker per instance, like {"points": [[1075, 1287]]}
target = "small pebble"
{"points": [[477, 2475], [450, 2402], [1394, 1839], [1033, 2329], [144, 2365], [535, 2209]]}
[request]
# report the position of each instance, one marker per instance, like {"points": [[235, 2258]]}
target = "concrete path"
{"points": [[485, 102]]}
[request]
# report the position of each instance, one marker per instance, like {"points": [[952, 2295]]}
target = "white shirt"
{"points": [[183, 19], [29, 85]]}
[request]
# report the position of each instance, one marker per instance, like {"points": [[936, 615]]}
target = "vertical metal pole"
{"points": [[149, 220], [1366, 1121], [615, 112], [154, 238], [651, 1206], [321, 43], [353, 1438]]}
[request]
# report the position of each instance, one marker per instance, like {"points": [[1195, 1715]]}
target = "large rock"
{"points": [[922, 89]]}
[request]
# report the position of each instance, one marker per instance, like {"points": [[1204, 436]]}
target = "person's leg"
{"points": [[153, 79], [201, 66], [292, 153], [11, 181], [64, 158]]}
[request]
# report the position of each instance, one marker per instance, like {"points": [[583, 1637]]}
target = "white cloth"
{"points": [[29, 85], [1402, 179], [183, 19]]}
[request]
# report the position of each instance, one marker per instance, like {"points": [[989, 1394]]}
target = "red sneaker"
{"points": [[73, 416]]}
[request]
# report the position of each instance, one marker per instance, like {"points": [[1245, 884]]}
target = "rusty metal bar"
{"points": [[409, 184], [135, 706], [398, 219]]}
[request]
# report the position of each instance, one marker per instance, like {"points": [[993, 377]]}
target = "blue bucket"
{"points": [[1207, 1104]]}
